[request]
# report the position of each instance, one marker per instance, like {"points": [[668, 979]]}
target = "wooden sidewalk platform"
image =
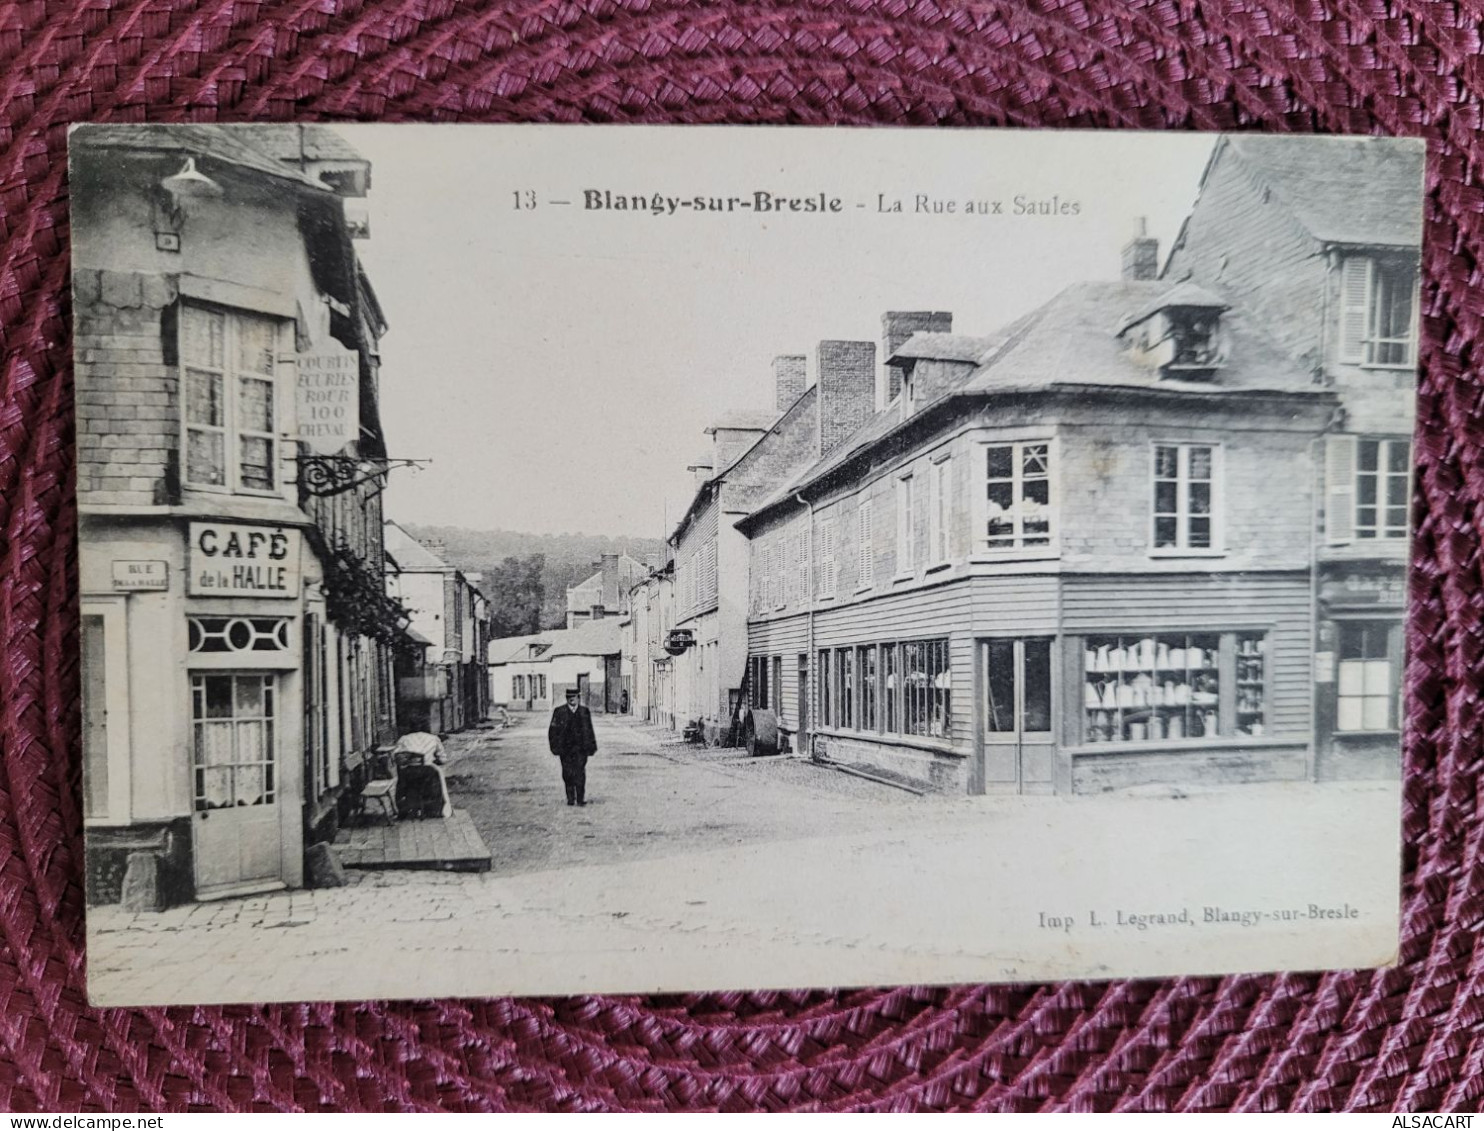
{"points": [[448, 844]]}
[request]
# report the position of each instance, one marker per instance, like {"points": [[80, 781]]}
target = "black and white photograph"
{"points": [[546, 560]]}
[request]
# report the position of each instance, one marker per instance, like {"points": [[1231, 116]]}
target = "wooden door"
{"points": [[237, 840], [1018, 696]]}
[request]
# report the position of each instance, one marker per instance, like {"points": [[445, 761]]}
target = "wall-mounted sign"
{"points": [[136, 575], [1324, 667], [1364, 589], [230, 560], [329, 398]]}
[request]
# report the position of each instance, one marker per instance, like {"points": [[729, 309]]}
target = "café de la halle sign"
{"points": [[232, 560]]}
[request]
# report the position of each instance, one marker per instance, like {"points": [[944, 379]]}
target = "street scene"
{"points": [[493, 582]]}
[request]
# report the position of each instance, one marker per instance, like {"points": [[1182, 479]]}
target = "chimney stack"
{"points": [[788, 378], [847, 390], [1141, 254], [896, 327]]}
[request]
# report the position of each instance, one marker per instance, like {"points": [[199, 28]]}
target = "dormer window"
{"points": [[1180, 334], [1378, 311], [1194, 334]]}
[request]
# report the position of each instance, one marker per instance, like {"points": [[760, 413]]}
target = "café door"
{"points": [[237, 840], [1018, 691]]}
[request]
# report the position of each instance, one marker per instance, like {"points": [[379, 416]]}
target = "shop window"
{"points": [[1367, 687], [1017, 496], [1184, 496], [233, 718], [845, 697], [229, 399], [891, 689], [926, 689], [1168, 687], [1252, 682], [865, 666], [1378, 307], [826, 699], [237, 634]]}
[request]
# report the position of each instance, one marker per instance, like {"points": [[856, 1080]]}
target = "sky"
{"points": [[559, 364]]}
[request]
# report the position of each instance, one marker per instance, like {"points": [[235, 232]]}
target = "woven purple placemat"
{"points": [[1406, 1038]]}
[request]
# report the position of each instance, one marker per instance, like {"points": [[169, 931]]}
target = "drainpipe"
{"points": [[810, 681]]}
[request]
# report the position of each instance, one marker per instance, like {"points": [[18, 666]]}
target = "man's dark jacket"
{"points": [[571, 733]]}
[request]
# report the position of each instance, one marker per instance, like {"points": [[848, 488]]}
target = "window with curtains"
{"points": [[233, 717], [1017, 511], [229, 400]]}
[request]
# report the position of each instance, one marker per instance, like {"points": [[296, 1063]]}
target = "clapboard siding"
{"points": [[1279, 603]]}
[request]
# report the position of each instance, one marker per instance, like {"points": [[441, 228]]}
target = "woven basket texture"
{"points": [[1404, 1038]]}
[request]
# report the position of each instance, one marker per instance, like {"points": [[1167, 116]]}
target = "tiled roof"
{"points": [[408, 554], [1072, 340], [281, 141], [1185, 294], [747, 419], [925, 345], [1344, 190], [595, 638], [190, 140], [510, 649]]}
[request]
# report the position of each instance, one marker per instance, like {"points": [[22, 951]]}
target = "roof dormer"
{"points": [[1180, 334]]}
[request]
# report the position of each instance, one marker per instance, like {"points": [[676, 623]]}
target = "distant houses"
{"points": [[533, 673], [444, 689]]}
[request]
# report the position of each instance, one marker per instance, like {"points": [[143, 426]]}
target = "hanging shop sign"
{"points": [[329, 398], [230, 560], [133, 576]]}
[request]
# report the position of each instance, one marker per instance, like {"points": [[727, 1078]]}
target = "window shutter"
{"points": [[867, 570], [1339, 489], [1355, 295]]}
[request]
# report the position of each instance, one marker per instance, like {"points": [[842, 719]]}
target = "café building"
{"points": [[237, 642]]}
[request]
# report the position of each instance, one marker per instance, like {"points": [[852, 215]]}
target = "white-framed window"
{"points": [[940, 487], [1367, 676], [1378, 311], [827, 569], [105, 711], [1185, 487], [865, 540], [1368, 489], [233, 722], [906, 524], [1018, 512], [229, 400]]}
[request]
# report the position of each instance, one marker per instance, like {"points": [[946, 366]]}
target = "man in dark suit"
{"points": [[571, 739]]}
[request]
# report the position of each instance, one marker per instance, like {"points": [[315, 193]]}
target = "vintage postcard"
{"points": [[551, 560]]}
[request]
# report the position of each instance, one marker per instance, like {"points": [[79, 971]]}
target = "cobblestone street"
{"points": [[695, 868], [648, 795]]}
